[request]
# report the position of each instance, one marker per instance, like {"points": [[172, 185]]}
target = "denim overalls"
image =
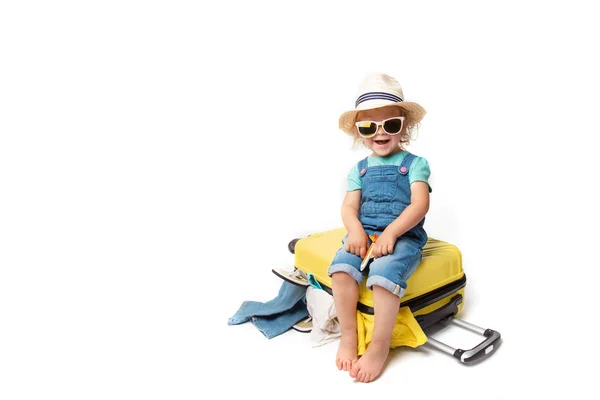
{"points": [[385, 194]]}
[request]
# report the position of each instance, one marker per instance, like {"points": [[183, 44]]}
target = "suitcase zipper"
{"points": [[418, 302], [438, 294]]}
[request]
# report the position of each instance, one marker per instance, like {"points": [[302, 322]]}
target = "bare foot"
{"points": [[347, 353], [371, 363]]}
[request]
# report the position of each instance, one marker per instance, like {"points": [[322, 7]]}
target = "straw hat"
{"points": [[379, 90]]}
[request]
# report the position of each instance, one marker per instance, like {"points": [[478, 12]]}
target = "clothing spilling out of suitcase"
{"points": [[305, 303]]}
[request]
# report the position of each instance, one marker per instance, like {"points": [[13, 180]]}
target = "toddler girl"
{"points": [[387, 196]]}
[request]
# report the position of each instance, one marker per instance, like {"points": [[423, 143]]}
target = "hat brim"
{"points": [[347, 119]]}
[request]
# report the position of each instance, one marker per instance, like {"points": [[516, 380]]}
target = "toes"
{"points": [[361, 376], [345, 365], [348, 365]]}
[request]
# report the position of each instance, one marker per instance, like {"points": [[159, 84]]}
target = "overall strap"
{"points": [[406, 162], [362, 167]]}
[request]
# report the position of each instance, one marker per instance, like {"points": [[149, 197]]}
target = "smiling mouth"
{"points": [[381, 142]]}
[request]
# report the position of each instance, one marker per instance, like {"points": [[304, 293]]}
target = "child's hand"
{"points": [[357, 243], [384, 244]]}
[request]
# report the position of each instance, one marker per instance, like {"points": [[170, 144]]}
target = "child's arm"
{"points": [[415, 212], [357, 242]]}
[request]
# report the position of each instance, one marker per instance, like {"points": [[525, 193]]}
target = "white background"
{"points": [[157, 157]]}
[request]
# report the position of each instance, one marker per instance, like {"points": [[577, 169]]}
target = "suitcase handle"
{"points": [[483, 349]]}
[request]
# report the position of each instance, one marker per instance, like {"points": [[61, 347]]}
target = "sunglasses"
{"points": [[391, 126]]}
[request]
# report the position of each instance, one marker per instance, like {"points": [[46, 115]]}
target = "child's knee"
{"points": [[395, 287], [343, 272]]}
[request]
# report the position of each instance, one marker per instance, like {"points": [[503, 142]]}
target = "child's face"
{"points": [[381, 144]]}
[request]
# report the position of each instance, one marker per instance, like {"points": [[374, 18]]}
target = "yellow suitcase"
{"points": [[435, 291]]}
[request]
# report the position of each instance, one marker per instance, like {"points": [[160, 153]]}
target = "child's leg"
{"points": [[346, 275], [387, 278], [345, 297], [386, 305]]}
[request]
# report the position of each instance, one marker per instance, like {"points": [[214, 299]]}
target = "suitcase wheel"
{"points": [[292, 245]]}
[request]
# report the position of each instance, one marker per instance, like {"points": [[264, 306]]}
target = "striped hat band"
{"points": [[377, 96]]}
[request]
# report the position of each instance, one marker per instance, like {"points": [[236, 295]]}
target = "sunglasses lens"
{"points": [[366, 128], [393, 126]]}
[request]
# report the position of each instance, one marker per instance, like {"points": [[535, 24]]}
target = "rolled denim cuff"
{"points": [[347, 268], [386, 284]]}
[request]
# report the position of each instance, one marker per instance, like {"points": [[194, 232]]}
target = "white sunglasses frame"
{"points": [[380, 124]]}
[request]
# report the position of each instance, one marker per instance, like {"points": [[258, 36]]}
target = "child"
{"points": [[388, 195]]}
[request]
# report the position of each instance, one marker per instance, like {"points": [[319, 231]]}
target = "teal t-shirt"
{"points": [[418, 171]]}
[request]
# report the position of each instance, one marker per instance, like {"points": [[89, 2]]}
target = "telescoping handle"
{"points": [[466, 356]]}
